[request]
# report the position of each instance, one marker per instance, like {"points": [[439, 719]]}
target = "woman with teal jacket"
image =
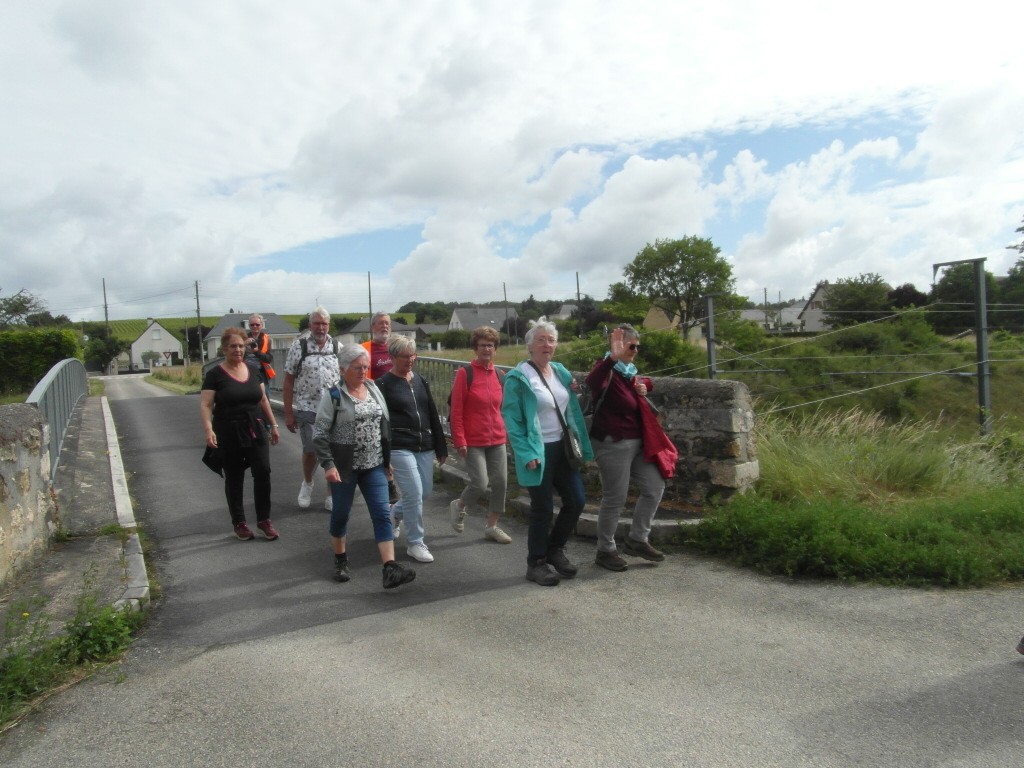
{"points": [[533, 390]]}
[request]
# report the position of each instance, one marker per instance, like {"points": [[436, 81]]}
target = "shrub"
{"points": [[29, 353]]}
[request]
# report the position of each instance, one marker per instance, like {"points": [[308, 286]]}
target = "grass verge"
{"points": [[35, 661], [849, 496]]}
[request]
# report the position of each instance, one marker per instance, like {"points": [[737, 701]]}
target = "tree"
{"points": [[15, 308], [856, 300], [101, 350], [953, 299], [906, 296], [625, 305], [676, 274], [1011, 295]]}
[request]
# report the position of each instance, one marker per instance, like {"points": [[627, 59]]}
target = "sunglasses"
{"points": [[633, 347]]}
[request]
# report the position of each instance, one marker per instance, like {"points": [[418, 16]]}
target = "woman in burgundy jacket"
{"points": [[617, 437]]}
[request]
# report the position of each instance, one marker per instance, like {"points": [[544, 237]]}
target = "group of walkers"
{"points": [[370, 421]]}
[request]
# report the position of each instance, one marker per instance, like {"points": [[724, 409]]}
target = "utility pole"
{"points": [[188, 357], [981, 339], [766, 309], [578, 299], [369, 294], [106, 315], [504, 292], [199, 328]]}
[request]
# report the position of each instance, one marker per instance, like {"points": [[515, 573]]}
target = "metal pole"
{"points": [[711, 335], [981, 323]]}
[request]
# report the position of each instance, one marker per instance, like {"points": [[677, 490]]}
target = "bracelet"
{"points": [[273, 426]]}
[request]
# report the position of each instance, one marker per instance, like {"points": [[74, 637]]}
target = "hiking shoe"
{"points": [[341, 570], [420, 552], [329, 503], [635, 548], [457, 515], [393, 495], [558, 561], [611, 560], [305, 494], [542, 574], [267, 529], [494, 533], [1020, 646], [244, 532], [396, 574]]}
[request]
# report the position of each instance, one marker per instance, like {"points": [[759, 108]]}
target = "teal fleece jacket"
{"points": [[519, 409]]}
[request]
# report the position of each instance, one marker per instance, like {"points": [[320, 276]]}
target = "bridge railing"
{"points": [[56, 395]]}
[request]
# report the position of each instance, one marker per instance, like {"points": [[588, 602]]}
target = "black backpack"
{"points": [[304, 346]]}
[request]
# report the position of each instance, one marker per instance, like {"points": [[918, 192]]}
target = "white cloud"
{"points": [[162, 143]]}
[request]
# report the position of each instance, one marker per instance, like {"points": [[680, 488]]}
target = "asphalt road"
{"points": [[254, 656]]}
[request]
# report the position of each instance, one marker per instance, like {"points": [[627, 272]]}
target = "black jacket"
{"points": [[415, 422]]}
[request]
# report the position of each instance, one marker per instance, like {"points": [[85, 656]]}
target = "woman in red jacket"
{"points": [[478, 434], [617, 437]]}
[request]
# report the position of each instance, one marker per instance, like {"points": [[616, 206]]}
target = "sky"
{"points": [[272, 157]]}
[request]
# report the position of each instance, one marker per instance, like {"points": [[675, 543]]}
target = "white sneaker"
{"points": [[329, 503], [420, 552], [494, 533], [457, 516], [305, 494]]}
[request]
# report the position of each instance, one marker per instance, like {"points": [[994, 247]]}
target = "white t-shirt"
{"points": [[550, 426]]}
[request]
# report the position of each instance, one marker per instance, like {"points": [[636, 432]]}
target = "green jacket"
{"points": [[519, 410]]}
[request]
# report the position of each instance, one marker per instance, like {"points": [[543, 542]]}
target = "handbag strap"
{"points": [[604, 393], [558, 411]]}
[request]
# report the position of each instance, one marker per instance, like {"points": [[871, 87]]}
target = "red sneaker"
{"points": [[243, 531], [267, 529]]}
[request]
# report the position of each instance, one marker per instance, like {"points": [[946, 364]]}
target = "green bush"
{"points": [[29, 353]]}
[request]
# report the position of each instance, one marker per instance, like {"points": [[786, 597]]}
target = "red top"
{"points": [[380, 358], [476, 413]]}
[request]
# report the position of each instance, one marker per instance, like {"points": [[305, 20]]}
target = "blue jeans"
{"points": [[558, 476], [373, 483], [414, 476]]}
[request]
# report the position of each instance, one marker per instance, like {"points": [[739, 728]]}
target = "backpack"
{"points": [[469, 381], [304, 346]]}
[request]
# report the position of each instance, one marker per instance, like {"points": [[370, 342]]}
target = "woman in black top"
{"points": [[416, 440], [236, 414]]}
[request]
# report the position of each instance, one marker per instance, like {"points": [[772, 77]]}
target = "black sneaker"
{"points": [[396, 574], [341, 570], [635, 548], [611, 560], [1020, 646], [558, 561], [542, 574]]}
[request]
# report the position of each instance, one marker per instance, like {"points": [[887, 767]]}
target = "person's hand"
{"points": [[640, 387], [332, 475], [442, 459], [533, 464], [211, 438], [275, 435], [289, 421], [615, 344], [463, 451]]}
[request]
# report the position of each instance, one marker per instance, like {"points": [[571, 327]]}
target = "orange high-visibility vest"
{"points": [[265, 349]]}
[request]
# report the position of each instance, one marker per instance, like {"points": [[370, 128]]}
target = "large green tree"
{"points": [[675, 275], [856, 300]]}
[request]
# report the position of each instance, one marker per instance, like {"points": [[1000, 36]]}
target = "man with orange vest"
{"points": [[258, 350], [377, 347]]}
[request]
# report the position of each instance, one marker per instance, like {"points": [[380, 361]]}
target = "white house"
{"points": [[155, 346], [813, 315]]}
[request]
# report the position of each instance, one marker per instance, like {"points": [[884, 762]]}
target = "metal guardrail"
{"points": [[440, 374], [56, 395]]}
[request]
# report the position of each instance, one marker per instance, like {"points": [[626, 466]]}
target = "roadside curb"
{"points": [[136, 591]]}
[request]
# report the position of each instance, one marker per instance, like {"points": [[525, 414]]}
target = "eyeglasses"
{"points": [[254, 325], [633, 347], [236, 346]]}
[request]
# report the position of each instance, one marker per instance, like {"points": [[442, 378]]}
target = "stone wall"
{"points": [[28, 509], [711, 423]]}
